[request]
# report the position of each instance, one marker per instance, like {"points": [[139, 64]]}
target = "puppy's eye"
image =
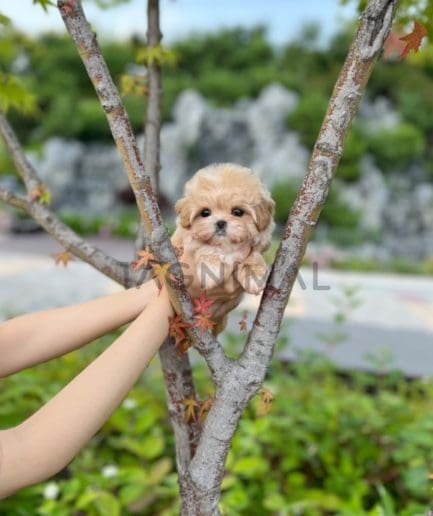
{"points": [[237, 212], [205, 212]]}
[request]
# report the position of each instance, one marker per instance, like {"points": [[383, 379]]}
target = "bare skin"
{"points": [[76, 413]]}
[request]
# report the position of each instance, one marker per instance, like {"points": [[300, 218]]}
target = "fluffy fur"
{"points": [[224, 223]]}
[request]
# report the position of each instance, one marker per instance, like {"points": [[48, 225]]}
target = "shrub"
{"points": [[354, 148], [335, 213], [312, 454], [307, 117], [395, 148]]}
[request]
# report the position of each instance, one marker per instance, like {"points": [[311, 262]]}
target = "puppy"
{"points": [[224, 223]]}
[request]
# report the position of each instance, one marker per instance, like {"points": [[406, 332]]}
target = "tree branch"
{"points": [[374, 27], [22, 164], [176, 367], [245, 378], [154, 96], [71, 241], [15, 200], [114, 269], [88, 49]]}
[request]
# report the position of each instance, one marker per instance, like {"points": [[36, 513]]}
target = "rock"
{"points": [[369, 196], [378, 114], [81, 177], [188, 113]]}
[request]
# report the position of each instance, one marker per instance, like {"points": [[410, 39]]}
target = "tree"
{"points": [[202, 450]]}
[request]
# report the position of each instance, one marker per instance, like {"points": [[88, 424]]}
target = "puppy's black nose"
{"points": [[221, 224]]}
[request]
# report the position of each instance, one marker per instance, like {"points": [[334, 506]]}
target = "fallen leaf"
{"points": [[64, 257], [191, 408], [413, 39]]}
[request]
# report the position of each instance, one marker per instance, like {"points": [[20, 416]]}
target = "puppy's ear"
{"points": [[264, 211], [183, 209]]}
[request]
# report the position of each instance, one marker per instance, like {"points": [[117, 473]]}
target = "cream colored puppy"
{"points": [[224, 223]]}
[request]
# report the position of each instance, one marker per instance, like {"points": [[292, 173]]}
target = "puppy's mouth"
{"points": [[221, 232], [220, 228]]}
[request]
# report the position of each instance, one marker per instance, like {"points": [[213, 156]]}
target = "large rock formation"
{"points": [[396, 208]]}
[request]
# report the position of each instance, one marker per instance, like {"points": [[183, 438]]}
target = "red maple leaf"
{"points": [[203, 322], [202, 304], [413, 39], [177, 330], [393, 46]]}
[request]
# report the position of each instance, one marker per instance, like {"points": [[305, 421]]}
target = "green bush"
{"points": [[335, 213], [394, 149], [354, 148], [123, 224], [307, 117], [332, 444]]}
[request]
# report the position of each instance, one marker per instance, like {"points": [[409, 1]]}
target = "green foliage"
{"points": [[44, 4], [159, 55], [307, 117], [331, 444], [336, 213], [395, 148], [123, 224], [354, 148]]}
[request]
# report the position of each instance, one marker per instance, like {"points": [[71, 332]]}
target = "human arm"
{"points": [[37, 337], [75, 414]]}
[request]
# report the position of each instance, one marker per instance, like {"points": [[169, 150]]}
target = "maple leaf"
{"points": [[41, 194], [243, 322], [191, 407], [203, 322], [393, 46], [202, 304], [146, 256], [413, 39], [266, 402], [204, 409], [177, 330], [161, 273], [64, 257], [272, 291]]}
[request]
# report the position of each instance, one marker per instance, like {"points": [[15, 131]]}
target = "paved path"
{"points": [[391, 316]]}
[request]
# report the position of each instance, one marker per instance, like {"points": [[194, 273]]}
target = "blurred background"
{"points": [[249, 82]]}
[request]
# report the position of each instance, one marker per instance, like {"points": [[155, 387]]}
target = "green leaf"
{"points": [[103, 501], [44, 4], [159, 55], [5, 20], [14, 94], [250, 467]]}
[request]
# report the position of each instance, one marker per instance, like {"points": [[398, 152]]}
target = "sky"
{"points": [[284, 18]]}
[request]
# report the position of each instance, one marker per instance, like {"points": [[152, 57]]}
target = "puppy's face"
{"points": [[226, 204]]}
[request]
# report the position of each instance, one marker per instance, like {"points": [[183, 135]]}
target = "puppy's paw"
{"points": [[252, 277]]}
